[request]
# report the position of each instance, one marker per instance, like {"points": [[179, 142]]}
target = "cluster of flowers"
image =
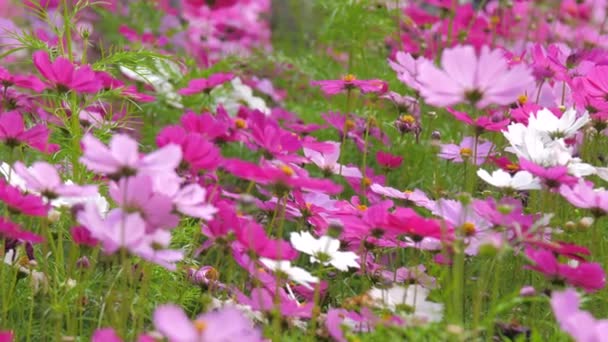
{"points": [[546, 100]]}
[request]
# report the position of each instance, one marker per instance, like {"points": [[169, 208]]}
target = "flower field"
{"points": [[323, 170]]}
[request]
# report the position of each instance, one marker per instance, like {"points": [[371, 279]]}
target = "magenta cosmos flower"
{"points": [[226, 324], [199, 85], [587, 275], [388, 160], [479, 79], [121, 158], [349, 82], [64, 76], [23, 203], [12, 230], [13, 133]]}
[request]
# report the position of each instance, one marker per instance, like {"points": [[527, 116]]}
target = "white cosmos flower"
{"points": [[324, 250], [297, 274], [529, 143], [552, 127], [159, 78], [15, 180], [241, 94], [522, 180], [413, 297]]}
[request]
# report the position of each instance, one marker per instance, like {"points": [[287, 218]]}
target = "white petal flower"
{"points": [[413, 296], [240, 94], [324, 250], [297, 274], [547, 123], [522, 180]]}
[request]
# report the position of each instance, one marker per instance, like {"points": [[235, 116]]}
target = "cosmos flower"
{"points": [[62, 75], [522, 180], [580, 325], [414, 297], [333, 87], [466, 150], [467, 77], [172, 322], [297, 274], [324, 250]]}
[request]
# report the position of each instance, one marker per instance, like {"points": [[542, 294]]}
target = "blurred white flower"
{"points": [[411, 299], [159, 78], [297, 274], [324, 250], [239, 95]]}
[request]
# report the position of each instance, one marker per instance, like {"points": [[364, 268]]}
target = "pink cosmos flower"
{"points": [[480, 79], [552, 177], [581, 325], [13, 133], [328, 162], [280, 176], [253, 237], [588, 275], [64, 76], [28, 82], [226, 324], [388, 160], [465, 151], [43, 178], [122, 157], [6, 336], [199, 85], [23, 203], [583, 195], [416, 196], [333, 87], [263, 300], [136, 194], [128, 230], [407, 68], [12, 230]]}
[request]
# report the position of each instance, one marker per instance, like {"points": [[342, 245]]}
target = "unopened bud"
{"points": [[585, 222]]}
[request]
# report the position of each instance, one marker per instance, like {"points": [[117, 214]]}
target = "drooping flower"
{"points": [[388, 160], [467, 77], [64, 76], [226, 324], [324, 250]]}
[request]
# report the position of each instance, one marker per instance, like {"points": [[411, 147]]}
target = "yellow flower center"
{"points": [[200, 325], [407, 192], [287, 170], [468, 228], [512, 167], [212, 274], [362, 207], [349, 125], [240, 123], [349, 78], [494, 19], [466, 152], [366, 181], [522, 99], [408, 119]]}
